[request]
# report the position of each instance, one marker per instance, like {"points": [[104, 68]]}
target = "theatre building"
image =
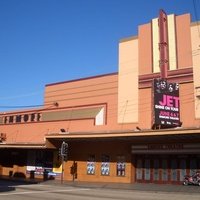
{"points": [[140, 124]]}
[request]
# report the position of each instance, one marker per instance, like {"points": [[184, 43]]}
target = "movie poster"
{"points": [[121, 165], [166, 103], [105, 165], [91, 165]]}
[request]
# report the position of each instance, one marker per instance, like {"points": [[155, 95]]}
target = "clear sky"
{"points": [[47, 41]]}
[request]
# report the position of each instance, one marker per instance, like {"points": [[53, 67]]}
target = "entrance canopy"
{"points": [[167, 136]]}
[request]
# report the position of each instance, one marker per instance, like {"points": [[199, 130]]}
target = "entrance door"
{"points": [[193, 166], [164, 170], [174, 170], [156, 166], [182, 169], [147, 174], [139, 170]]}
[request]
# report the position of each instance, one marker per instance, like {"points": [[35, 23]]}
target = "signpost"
{"points": [[63, 153]]}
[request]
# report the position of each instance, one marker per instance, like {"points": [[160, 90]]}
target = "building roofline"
{"points": [[81, 79], [128, 39], [195, 23]]}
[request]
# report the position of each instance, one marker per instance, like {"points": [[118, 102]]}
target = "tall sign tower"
{"points": [[163, 45], [166, 94]]}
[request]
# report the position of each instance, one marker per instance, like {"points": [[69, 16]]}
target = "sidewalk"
{"points": [[130, 186], [148, 187]]}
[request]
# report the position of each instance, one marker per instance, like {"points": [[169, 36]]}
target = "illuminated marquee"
{"points": [[166, 103]]}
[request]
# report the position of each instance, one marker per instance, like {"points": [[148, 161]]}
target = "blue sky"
{"points": [[47, 41]]}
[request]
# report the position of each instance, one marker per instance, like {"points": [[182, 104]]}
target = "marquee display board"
{"points": [[166, 103]]}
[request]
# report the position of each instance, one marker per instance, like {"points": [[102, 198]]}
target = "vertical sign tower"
{"points": [[166, 94], [163, 45]]}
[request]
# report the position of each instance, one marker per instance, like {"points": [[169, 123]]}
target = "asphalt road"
{"points": [[10, 191]]}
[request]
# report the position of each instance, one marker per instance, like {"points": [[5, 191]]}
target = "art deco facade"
{"points": [[108, 120]]}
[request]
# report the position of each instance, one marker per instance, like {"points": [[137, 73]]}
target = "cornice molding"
{"points": [[179, 76]]}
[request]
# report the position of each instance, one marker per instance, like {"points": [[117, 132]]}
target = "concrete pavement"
{"points": [[121, 186], [136, 186]]}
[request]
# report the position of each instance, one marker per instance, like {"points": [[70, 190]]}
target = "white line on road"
{"points": [[44, 191]]}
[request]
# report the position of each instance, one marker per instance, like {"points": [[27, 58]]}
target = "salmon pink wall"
{"points": [[102, 91], [145, 49], [184, 45]]}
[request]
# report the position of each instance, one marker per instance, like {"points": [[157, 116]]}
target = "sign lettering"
{"points": [[24, 118], [165, 146]]}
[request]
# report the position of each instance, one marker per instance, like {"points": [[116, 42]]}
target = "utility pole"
{"points": [[62, 173]]}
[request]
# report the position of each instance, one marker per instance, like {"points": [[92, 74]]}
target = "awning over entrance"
{"points": [[125, 133], [167, 136]]}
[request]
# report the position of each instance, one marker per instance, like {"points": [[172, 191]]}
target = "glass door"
{"points": [[156, 176], [182, 169], [147, 169], [193, 166], [174, 170], [139, 169], [164, 170]]}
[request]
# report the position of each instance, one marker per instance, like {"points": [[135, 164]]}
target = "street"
{"points": [[10, 191]]}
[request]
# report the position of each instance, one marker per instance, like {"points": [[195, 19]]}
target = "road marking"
{"points": [[44, 191]]}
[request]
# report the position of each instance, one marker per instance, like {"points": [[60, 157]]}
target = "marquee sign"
{"points": [[166, 103], [165, 148]]}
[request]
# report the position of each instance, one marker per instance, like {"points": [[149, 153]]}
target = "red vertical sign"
{"points": [[163, 45]]}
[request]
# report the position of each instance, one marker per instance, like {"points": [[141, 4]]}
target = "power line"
{"points": [[62, 97]]}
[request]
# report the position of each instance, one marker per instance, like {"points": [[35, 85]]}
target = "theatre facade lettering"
{"points": [[166, 148], [21, 118], [56, 115]]}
